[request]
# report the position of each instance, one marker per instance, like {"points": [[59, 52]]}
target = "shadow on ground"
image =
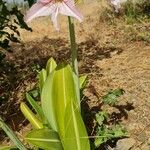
{"points": [[18, 70]]}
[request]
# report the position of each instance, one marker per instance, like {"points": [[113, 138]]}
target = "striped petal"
{"points": [[53, 8], [40, 9], [68, 8], [54, 18]]}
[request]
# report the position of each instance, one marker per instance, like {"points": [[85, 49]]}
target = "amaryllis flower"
{"points": [[53, 8]]}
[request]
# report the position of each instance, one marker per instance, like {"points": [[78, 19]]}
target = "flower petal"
{"points": [[67, 8], [54, 18], [39, 9]]}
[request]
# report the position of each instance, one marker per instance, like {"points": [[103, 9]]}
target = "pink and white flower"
{"points": [[53, 8]]}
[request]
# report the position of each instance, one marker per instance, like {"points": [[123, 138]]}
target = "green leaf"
{"points": [[35, 122], [83, 80], [58, 90], [51, 65], [101, 117], [76, 137], [45, 139], [105, 133], [11, 135], [118, 131], [77, 88], [8, 148], [42, 78], [35, 106], [112, 97], [47, 102], [102, 132], [34, 93]]}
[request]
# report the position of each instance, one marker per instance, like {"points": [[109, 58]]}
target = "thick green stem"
{"points": [[73, 46], [74, 54]]}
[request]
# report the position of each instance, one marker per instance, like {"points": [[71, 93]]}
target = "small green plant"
{"points": [[104, 130], [112, 97]]}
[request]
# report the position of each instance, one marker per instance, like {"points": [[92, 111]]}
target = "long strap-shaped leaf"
{"points": [[35, 122], [83, 80], [35, 106], [76, 137], [50, 66], [42, 78], [12, 136], [8, 148], [45, 139], [47, 103], [58, 90]]}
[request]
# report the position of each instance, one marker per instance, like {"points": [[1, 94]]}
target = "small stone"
{"points": [[145, 146], [125, 144], [109, 148], [136, 148], [148, 141], [142, 137]]}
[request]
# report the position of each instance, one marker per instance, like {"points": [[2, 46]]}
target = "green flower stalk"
{"points": [[74, 55], [74, 52]]}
